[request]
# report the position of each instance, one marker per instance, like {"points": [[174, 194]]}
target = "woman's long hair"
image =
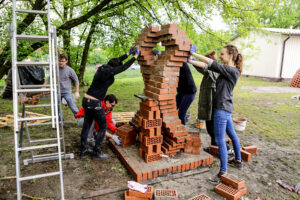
{"points": [[237, 57]]}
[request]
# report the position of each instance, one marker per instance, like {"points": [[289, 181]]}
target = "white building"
{"points": [[274, 53]]}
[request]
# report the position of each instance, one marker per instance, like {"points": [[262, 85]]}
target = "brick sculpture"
{"points": [[161, 80]]}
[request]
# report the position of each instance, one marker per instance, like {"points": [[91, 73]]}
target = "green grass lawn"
{"points": [[271, 116]]}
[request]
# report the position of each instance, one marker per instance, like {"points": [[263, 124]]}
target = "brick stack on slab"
{"points": [[150, 136], [193, 143], [231, 187], [127, 135], [161, 79]]}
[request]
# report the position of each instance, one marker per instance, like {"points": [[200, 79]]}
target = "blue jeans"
{"points": [[70, 101], [183, 103], [223, 123]]}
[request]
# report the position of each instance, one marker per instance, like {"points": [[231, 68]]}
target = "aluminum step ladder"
{"points": [[19, 90]]}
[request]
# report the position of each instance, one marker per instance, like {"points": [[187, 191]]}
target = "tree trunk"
{"points": [[86, 50]]}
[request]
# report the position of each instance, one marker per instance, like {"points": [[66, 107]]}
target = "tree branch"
{"points": [[74, 22]]}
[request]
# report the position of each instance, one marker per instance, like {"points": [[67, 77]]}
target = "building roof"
{"points": [[283, 31]]}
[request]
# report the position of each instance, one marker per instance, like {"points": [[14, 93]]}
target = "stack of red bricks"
{"points": [[165, 194], [246, 152], [231, 187], [161, 78], [127, 135], [295, 81], [193, 143], [150, 135], [136, 195]]}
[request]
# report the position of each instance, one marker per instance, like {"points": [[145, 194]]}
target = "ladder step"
{"points": [[38, 106], [37, 147], [38, 176], [34, 86], [32, 63], [40, 124], [34, 90], [34, 118], [32, 37], [32, 11], [45, 140]]}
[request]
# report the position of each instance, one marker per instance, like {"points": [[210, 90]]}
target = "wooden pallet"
{"points": [[8, 120], [122, 117]]}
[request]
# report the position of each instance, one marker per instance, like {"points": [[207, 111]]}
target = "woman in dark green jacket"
{"points": [[207, 91]]}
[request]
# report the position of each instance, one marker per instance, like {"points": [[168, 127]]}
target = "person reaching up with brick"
{"points": [[230, 70], [207, 92], [103, 79], [186, 92]]}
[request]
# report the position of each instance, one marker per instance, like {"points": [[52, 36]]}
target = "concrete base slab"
{"points": [[142, 171]]}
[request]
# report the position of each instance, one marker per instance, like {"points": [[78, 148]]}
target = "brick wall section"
{"points": [[161, 80]]}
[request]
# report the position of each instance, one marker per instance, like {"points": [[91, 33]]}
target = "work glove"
{"points": [[193, 49], [189, 58], [297, 188], [136, 51], [77, 95], [156, 52], [117, 140], [131, 50]]}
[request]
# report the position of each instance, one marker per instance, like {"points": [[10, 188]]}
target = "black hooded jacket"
{"points": [[186, 84], [104, 76]]}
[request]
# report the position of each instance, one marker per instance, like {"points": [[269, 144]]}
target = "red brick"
{"points": [[229, 192], [233, 181], [152, 132], [148, 108], [144, 176], [152, 158], [128, 197], [155, 174], [245, 156], [165, 193], [251, 149], [214, 150], [147, 195], [152, 123], [201, 197]]}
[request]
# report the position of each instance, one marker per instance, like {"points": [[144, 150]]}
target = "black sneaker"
{"points": [[236, 163], [84, 154], [100, 156], [217, 178]]}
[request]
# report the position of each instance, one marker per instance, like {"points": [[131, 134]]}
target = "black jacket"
{"points": [[104, 78], [225, 84], [186, 84]]}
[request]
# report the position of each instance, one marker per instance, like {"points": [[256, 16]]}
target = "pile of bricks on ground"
{"points": [[150, 135], [161, 79], [159, 194], [246, 152], [193, 143], [295, 81], [127, 135], [231, 187], [136, 195]]}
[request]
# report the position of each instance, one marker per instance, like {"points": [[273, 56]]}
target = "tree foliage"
{"points": [[86, 28]]}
